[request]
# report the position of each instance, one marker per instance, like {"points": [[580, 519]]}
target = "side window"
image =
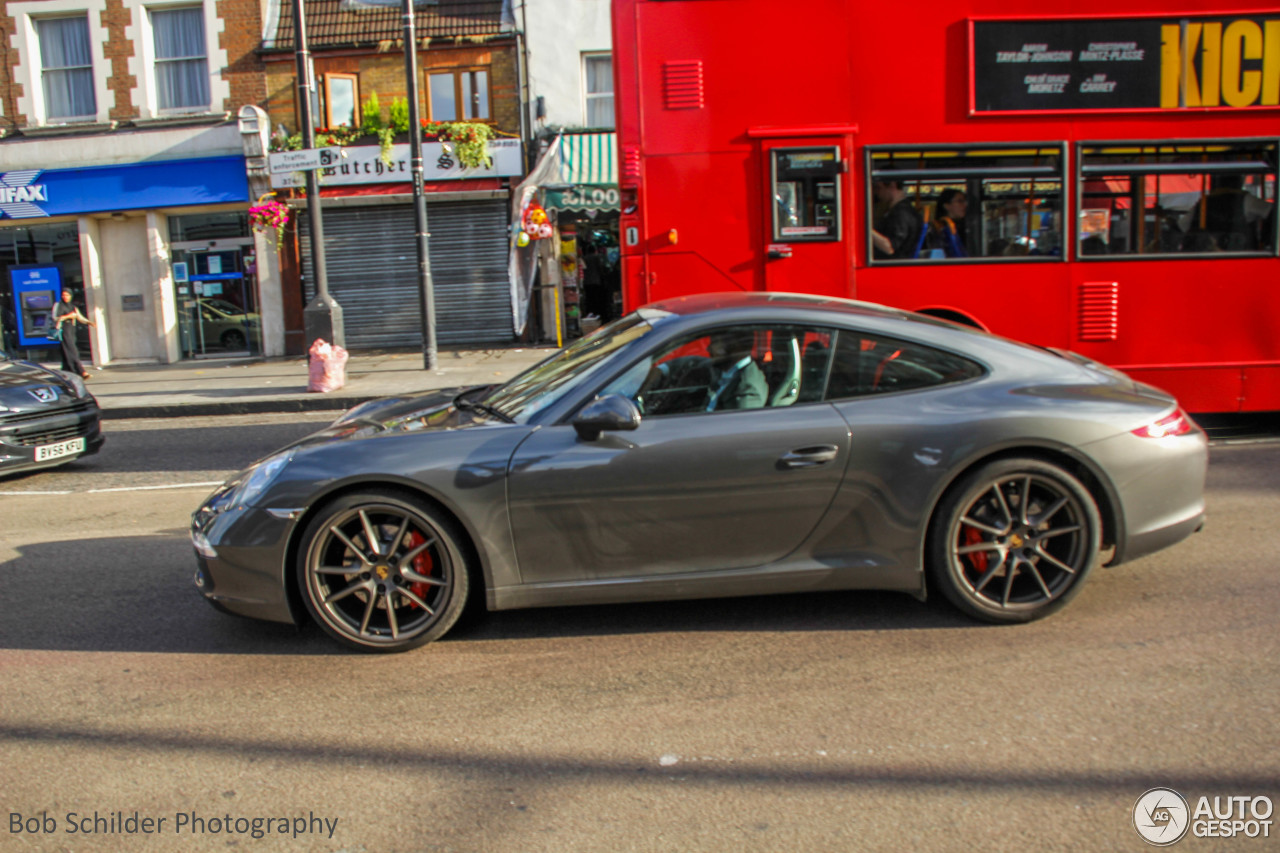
{"points": [[945, 204], [867, 364], [1193, 198], [729, 369]]}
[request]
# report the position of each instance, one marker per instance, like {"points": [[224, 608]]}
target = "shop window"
{"points": [[597, 71], [341, 97], [66, 68], [208, 226], [181, 66], [57, 244], [461, 95], [806, 194], [1177, 199], [949, 204], [864, 365]]}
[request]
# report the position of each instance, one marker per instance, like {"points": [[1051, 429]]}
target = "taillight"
{"points": [[1176, 424]]}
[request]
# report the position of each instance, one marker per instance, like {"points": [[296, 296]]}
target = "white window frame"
{"points": [[142, 64], [589, 96], [26, 42]]}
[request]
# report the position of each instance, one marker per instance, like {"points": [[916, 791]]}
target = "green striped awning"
{"points": [[589, 158]]}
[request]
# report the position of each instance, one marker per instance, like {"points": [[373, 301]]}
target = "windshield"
{"points": [[545, 383]]}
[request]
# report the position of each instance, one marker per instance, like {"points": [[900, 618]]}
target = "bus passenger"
{"points": [[897, 233], [1229, 216], [946, 231]]}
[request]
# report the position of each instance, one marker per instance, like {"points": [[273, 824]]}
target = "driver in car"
{"points": [[729, 378]]}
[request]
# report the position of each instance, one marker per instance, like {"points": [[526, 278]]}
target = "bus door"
{"points": [[806, 243]]}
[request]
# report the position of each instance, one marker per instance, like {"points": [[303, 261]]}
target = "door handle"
{"points": [[809, 457]]}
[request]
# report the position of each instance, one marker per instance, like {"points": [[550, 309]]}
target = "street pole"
{"points": [[322, 318], [426, 293]]}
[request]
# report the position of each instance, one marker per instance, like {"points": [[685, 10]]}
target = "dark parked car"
{"points": [[739, 444], [47, 417]]}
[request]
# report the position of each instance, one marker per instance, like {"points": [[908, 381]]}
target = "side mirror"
{"points": [[609, 413]]}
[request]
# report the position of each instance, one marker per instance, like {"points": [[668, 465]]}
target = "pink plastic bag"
{"points": [[328, 367]]}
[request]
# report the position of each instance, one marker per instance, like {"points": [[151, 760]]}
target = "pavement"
{"points": [[249, 386]]}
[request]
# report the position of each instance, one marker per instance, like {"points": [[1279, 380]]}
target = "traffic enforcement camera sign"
{"points": [[303, 160]]}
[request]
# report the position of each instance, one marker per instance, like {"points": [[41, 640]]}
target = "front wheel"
{"points": [[233, 339], [1014, 541], [381, 572]]}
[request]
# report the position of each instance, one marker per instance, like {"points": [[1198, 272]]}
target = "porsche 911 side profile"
{"points": [[714, 445]]}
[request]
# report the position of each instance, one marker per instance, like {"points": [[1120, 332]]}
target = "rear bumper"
{"points": [[1159, 486]]}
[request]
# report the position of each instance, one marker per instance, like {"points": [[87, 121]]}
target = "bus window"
{"points": [[981, 202], [1177, 198]]}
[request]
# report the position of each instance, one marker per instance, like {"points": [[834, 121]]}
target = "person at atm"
{"points": [[65, 317], [896, 235]]}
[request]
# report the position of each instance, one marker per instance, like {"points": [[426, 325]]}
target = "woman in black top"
{"points": [[65, 316]]}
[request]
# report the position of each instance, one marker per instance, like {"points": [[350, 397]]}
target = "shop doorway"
{"points": [[216, 299]]}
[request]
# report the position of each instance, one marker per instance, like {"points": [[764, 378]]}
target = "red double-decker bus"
{"points": [[1099, 176]]}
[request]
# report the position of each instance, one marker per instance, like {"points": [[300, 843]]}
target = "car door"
{"points": [[689, 490]]}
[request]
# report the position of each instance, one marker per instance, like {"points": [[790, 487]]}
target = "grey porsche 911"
{"points": [[717, 445], [47, 417]]}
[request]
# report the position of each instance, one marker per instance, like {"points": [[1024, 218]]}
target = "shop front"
{"points": [[370, 256], [123, 238], [574, 190]]}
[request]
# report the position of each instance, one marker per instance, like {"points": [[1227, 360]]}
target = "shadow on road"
{"points": [[136, 594]]}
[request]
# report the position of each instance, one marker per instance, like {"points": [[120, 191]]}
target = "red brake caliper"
{"points": [[422, 564], [977, 559]]}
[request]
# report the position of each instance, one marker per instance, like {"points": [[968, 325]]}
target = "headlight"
{"points": [[77, 385], [253, 481]]}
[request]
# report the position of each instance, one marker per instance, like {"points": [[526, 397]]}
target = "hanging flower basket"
{"points": [[269, 214]]}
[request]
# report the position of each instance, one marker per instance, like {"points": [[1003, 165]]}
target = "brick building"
{"points": [[468, 65], [119, 136]]}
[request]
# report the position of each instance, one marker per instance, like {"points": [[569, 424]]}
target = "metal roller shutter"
{"points": [[373, 272]]}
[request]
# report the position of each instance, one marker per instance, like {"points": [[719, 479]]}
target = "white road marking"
{"points": [[204, 485], [153, 488]]}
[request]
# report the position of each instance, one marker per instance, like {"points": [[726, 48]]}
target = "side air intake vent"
{"points": [[682, 84], [1099, 310]]}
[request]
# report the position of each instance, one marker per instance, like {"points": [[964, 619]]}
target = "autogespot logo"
{"points": [[1161, 817]]}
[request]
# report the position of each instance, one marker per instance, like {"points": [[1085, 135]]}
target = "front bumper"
{"points": [[23, 434], [244, 569]]}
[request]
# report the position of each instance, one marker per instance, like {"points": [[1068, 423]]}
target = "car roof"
{"points": [[699, 303]]}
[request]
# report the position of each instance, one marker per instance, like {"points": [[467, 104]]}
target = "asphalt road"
{"points": [[813, 722]]}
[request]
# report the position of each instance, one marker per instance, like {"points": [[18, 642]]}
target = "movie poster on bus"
{"points": [[1125, 64]]}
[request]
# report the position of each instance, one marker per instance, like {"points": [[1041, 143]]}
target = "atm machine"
{"points": [[36, 289]]}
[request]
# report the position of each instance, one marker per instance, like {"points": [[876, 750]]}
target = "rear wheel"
{"points": [[1014, 540], [382, 572]]}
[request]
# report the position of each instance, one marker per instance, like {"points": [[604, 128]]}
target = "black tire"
{"points": [[1001, 557], [407, 590], [232, 339]]}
